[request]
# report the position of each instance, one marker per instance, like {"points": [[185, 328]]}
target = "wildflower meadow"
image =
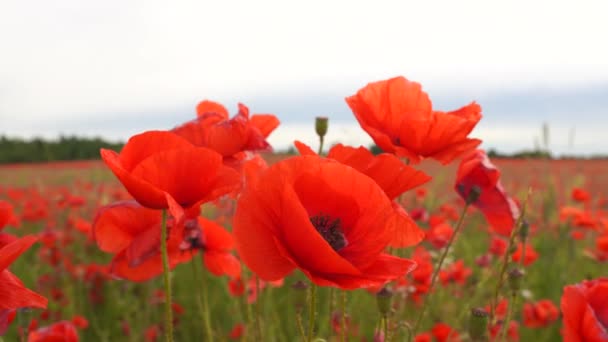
{"points": [[201, 232]]}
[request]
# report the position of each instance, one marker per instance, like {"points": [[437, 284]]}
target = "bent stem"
{"points": [[311, 317], [437, 268], [167, 278], [505, 261]]}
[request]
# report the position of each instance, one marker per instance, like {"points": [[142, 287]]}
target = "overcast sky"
{"points": [[114, 68]]}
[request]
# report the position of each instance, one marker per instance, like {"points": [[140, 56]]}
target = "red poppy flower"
{"points": [[439, 235], [237, 332], [540, 314], [399, 117], [13, 294], [580, 195], [498, 246], [213, 129], [160, 168], [392, 175], [585, 311], [455, 273], [423, 337], [476, 171], [322, 217], [60, 331], [6, 213], [444, 333], [132, 232], [512, 331], [529, 257]]}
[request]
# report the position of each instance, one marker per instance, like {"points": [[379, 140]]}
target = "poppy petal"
{"points": [[216, 237], [265, 123], [406, 232], [257, 248], [14, 295], [222, 263], [207, 106], [13, 250], [115, 225]]}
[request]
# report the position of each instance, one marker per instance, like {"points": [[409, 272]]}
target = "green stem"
{"points": [[332, 304], [386, 335], [505, 325], [311, 316], [505, 261], [523, 252], [343, 309], [167, 278], [258, 309], [206, 314], [199, 302], [501, 275], [321, 140], [300, 325], [438, 268]]}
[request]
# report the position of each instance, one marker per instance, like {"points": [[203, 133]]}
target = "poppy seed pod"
{"points": [[478, 322], [515, 277], [383, 298], [299, 295], [321, 125]]}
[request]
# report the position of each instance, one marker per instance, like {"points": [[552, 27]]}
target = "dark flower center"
{"points": [[330, 230], [193, 238]]}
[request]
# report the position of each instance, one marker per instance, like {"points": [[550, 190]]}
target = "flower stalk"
{"points": [[166, 278], [440, 264]]}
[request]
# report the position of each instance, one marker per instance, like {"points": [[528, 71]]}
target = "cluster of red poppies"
{"points": [[337, 218]]}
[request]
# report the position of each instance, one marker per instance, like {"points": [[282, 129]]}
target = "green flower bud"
{"points": [[321, 123], [383, 298], [478, 323], [515, 277], [299, 295]]}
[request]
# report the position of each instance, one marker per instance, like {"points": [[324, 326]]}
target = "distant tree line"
{"points": [[17, 150]]}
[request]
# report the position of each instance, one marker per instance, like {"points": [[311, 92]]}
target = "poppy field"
{"points": [[203, 233]]}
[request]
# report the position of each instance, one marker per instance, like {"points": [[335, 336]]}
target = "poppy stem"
{"points": [[505, 261], [197, 280], [300, 325], [321, 140], [258, 308], [343, 309], [311, 316], [438, 268], [206, 315], [167, 279], [505, 324], [332, 305], [386, 333]]}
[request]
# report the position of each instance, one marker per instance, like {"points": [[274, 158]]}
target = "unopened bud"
{"points": [[383, 298], [478, 322], [299, 294], [515, 278], [321, 123]]}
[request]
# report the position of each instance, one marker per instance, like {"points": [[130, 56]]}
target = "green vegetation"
{"points": [[17, 150]]}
